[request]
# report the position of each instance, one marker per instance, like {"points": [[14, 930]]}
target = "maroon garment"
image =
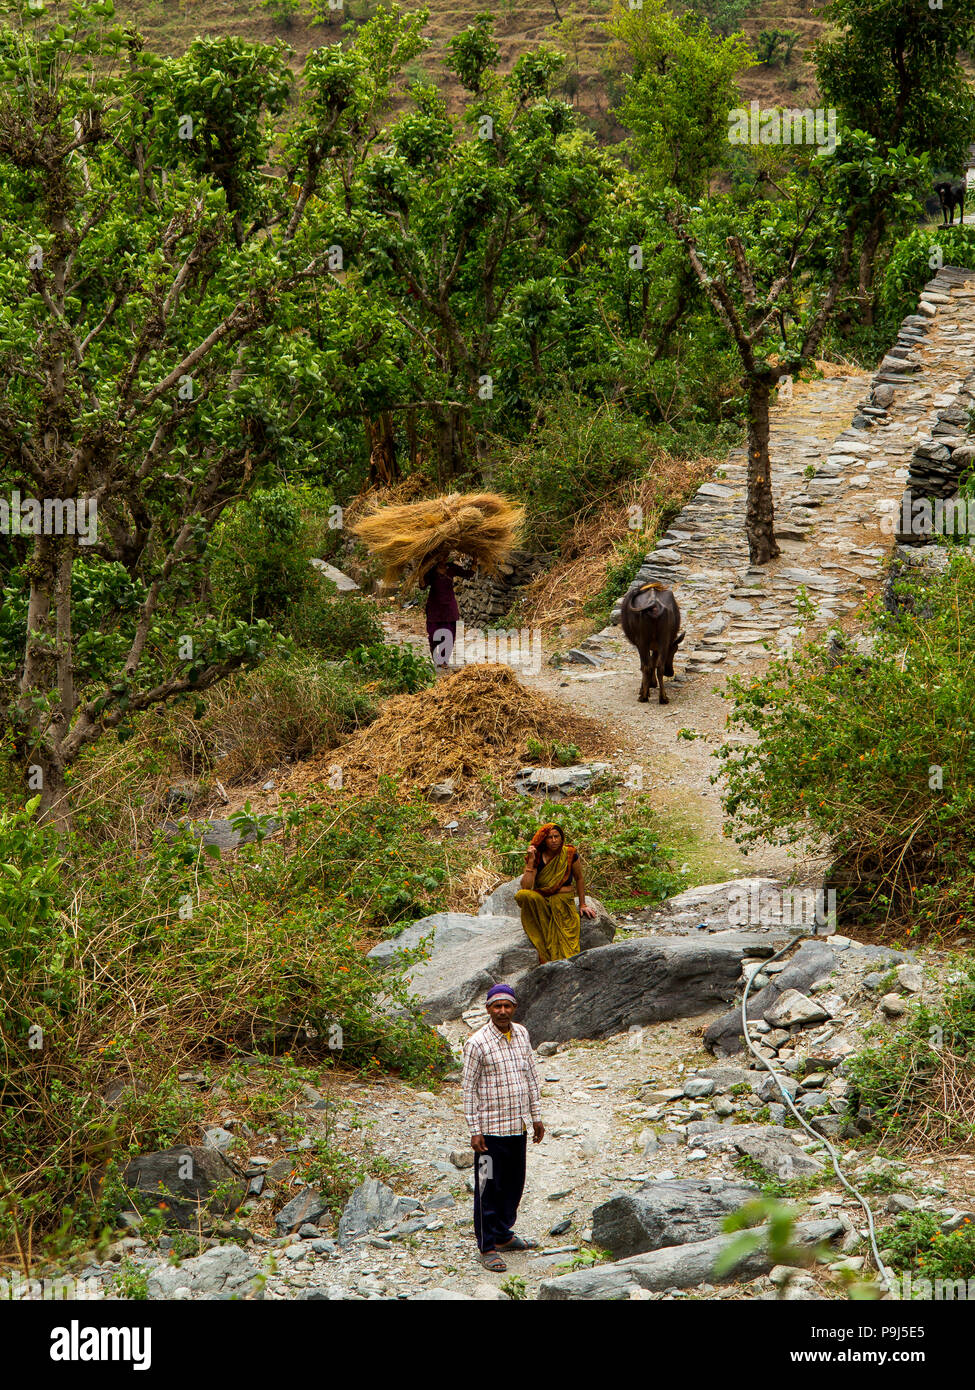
{"points": [[442, 601], [441, 637]]}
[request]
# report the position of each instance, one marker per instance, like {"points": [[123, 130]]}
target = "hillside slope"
{"points": [[520, 25]]}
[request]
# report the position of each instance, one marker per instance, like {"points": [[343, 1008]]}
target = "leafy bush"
{"points": [[622, 859], [919, 1084], [139, 963], [258, 562], [916, 1242], [871, 756], [289, 707], [570, 462], [915, 259], [393, 670], [333, 627]]}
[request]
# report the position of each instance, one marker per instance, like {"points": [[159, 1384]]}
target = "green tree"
{"points": [[683, 85], [473, 238], [154, 276], [773, 272], [892, 68]]}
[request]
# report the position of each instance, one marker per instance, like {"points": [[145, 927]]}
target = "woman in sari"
{"points": [[553, 875]]}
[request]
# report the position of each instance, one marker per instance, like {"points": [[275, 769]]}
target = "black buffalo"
{"points": [[650, 619], [951, 196]]}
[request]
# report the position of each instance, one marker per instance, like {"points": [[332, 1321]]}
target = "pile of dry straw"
{"points": [[408, 538], [476, 721]]}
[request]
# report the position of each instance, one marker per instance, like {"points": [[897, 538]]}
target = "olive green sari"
{"points": [[548, 911]]}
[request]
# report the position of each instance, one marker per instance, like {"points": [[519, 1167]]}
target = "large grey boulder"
{"points": [[441, 932], [814, 960], [186, 1178], [677, 1267], [629, 983], [448, 983], [666, 1213], [596, 931], [225, 1272], [371, 1206], [466, 955]]}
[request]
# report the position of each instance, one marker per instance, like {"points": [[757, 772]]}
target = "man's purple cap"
{"points": [[497, 991]]}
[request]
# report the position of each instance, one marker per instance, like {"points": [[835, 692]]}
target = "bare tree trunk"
{"points": [[865, 277], [759, 517], [450, 439], [383, 466], [48, 661]]}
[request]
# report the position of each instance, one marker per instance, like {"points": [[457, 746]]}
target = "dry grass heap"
{"points": [[476, 721], [409, 537]]}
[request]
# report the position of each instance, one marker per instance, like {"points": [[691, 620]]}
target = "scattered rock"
{"points": [[666, 1213], [225, 1272], [307, 1206]]}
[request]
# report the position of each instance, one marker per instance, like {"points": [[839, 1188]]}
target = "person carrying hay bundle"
{"points": [[411, 538], [553, 874], [442, 611]]}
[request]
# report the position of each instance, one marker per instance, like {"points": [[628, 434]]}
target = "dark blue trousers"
{"points": [[499, 1181]]}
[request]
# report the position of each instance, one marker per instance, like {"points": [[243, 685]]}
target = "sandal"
{"points": [[516, 1243], [492, 1260]]}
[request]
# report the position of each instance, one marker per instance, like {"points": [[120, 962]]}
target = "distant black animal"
{"points": [[650, 619], [951, 196]]}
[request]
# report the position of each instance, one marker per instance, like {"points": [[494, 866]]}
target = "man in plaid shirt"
{"points": [[501, 1091]]}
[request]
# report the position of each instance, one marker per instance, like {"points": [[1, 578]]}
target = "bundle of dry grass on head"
{"points": [[476, 721], [408, 538]]}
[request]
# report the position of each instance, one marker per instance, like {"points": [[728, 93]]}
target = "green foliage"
{"points": [[870, 755], [723, 16], [514, 1286], [258, 557], [891, 68], [31, 933], [903, 1085], [393, 670], [553, 754], [473, 52], [283, 12], [623, 861], [916, 258], [334, 627], [774, 45], [173, 954], [130, 1282], [570, 463], [684, 84], [917, 1243]]}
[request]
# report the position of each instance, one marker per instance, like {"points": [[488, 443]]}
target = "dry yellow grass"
{"points": [[406, 538], [474, 722], [559, 594]]}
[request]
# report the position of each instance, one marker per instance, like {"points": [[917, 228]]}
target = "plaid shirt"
{"points": [[501, 1084]]}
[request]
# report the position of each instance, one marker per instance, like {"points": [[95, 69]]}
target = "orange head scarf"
{"points": [[538, 839]]}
